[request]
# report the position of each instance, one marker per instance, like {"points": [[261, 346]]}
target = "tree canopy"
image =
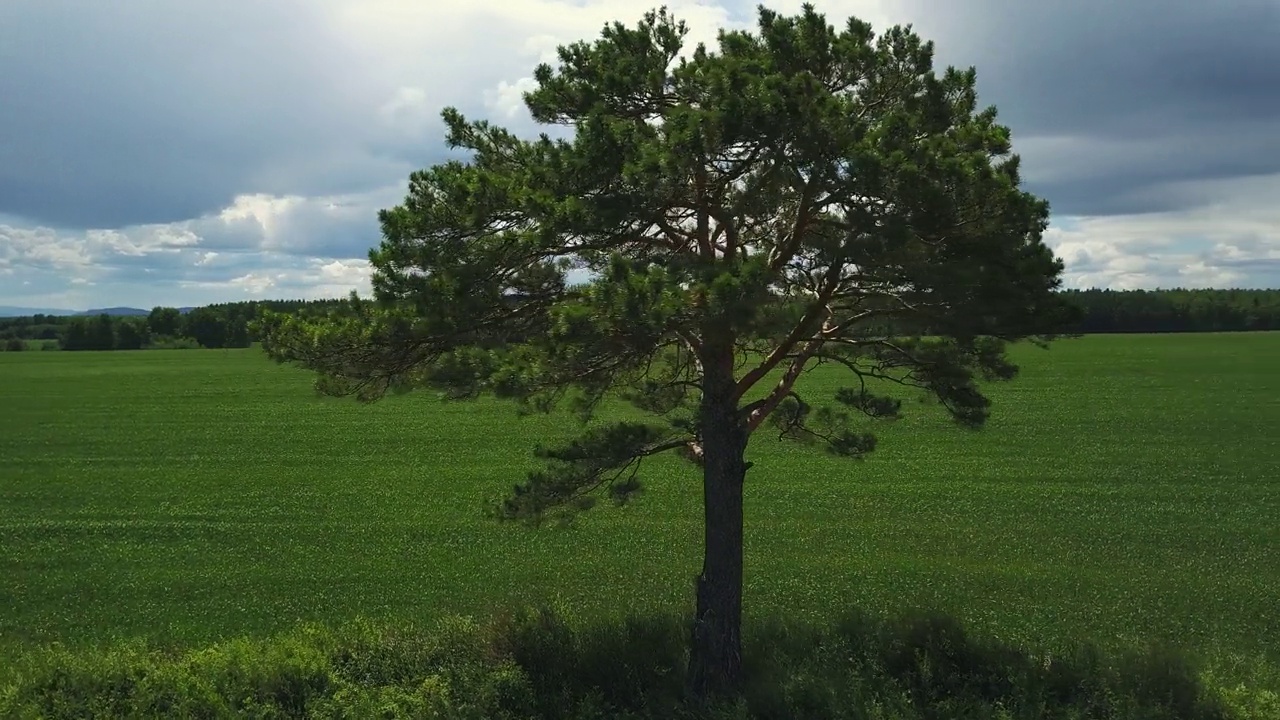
{"points": [[707, 226]]}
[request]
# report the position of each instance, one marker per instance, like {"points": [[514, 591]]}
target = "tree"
{"points": [[75, 335], [131, 333], [206, 326], [15, 344], [803, 196], [237, 327], [164, 321], [102, 333]]}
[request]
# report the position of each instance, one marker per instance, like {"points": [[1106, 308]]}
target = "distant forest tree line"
{"points": [[227, 325], [224, 325]]}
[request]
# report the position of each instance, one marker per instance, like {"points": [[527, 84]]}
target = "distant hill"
{"points": [[12, 311], [7, 311], [116, 311]]}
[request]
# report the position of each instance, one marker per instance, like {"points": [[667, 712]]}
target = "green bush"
{"points": [[50, 345], [539, 664], [169, 342], [15, 344]]}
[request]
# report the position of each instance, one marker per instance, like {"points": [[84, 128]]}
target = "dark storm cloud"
{"points": [[156, 111], [1200, 79], [1096, 175]]}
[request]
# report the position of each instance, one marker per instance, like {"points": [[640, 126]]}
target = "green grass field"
{"points": [[1127, 489]]}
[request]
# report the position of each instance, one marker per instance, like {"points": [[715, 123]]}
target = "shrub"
{"points": [[169, 342], [14, 344], [540, 664]]}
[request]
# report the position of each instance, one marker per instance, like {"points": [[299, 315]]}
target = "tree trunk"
{"points": [[715, 660]]}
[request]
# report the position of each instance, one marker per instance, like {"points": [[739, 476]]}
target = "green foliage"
{"points": [[163, 342], [1135, 311], [90, 333], [606, 455], [131, 333], [14, 344], [765, 206], [101, 333], [164, 321], [1250, 686], [37, 327], [75, 335], [542, 664], [224, 325], [206, 327]]}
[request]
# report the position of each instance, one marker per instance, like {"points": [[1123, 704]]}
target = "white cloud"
{"points": [[312, 279], [409, 113], [346, 272], [507, 99], [258, 246], [252, 283], [326, 225], [42, 246], [1233, 238]]}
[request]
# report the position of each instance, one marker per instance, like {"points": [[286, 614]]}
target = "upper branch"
{"points": [[757, 412], [816, 312]]}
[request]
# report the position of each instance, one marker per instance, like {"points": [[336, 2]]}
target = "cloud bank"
{"points": [[180, 153]]}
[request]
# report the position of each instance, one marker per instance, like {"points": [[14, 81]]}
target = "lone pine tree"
{"points": [[802, 196]]}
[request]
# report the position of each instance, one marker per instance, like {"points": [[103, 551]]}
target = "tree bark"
{"points": [[715, 660]]}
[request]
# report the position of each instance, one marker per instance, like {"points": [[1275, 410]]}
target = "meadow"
{"points": [[1127, 489]]}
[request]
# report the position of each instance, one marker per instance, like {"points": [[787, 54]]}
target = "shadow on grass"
{"points": [[537, 664]]}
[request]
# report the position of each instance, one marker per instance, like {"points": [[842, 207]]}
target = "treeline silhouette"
{"points": [[227, 325], [223, 325], [1177, 310]]}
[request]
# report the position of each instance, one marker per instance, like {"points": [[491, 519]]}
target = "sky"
{"points": [[182, 152]]}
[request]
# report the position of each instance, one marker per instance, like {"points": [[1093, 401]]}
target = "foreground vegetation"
{"points": [[541, 665], [1125, 491]]}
